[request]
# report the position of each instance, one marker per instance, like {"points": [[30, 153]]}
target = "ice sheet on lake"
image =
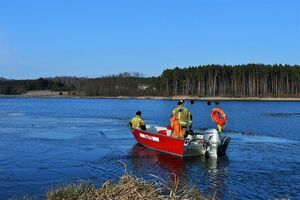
{"points": [[259, 138]]}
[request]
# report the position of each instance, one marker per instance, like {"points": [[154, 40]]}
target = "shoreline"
{"points": [[50, 94], [156, 98]]}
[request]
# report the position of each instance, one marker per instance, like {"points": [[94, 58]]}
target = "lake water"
{"points": [[49, 142]]}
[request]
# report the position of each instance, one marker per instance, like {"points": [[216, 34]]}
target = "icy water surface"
{"points": [[49, 142]]}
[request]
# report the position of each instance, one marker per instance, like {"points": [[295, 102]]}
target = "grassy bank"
{"points": [[128, 187]]}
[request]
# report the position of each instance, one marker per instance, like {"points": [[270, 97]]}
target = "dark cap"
{"points": [[138, 113], [180, 102]]}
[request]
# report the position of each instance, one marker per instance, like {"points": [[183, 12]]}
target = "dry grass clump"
{"points": [[72, 191], [128, 188]]}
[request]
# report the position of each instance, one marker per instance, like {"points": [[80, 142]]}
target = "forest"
{"points": [[249, 80]]}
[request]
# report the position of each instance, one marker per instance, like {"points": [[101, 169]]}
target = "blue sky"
{"points": [[43, 38]]}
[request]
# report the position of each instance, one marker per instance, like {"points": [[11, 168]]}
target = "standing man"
{"points": [[184, 116], [137, 122]]}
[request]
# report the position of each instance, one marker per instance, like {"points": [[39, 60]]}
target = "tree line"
{"points": [[251, 80], [10, 87]]}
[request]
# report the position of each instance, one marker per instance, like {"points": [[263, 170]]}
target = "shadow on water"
{"points": [[207, 174]]}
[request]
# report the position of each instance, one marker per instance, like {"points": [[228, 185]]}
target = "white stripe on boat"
{"points": [[156, 139]]}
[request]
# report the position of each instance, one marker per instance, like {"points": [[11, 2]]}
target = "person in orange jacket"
{"points": [[176, 128], [184, 116]]}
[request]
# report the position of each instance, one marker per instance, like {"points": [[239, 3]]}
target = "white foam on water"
{"points": [[4, 114], [15, 114]]}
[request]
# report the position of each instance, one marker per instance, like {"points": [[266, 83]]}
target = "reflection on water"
{"points": [[211, 171], [144, 158]]}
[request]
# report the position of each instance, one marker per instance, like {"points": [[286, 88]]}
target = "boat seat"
{"points": [[162, 132]]}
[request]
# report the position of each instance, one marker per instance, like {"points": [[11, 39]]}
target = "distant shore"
{"points": [[53, 94]]}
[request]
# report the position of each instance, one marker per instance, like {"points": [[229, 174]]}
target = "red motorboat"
{"points": [[158, 138]]}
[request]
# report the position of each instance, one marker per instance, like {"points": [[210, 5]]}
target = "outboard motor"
{"points": [[211, 136]]}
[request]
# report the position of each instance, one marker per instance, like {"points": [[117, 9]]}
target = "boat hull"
{"points": [[207, 143], [163, 143]]}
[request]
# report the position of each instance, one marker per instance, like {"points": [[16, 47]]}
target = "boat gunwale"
{"points": [[145, 131]]}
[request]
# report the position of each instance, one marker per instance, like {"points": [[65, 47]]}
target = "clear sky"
{"points": [[91, 38]]}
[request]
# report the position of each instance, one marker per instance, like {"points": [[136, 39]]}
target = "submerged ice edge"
{"points": [[259, 138]]}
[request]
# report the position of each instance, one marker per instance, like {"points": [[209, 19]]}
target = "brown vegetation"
{"points": [[128, 188]]}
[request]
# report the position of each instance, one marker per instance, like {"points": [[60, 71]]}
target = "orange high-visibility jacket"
{"points": [[176, 128]]}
